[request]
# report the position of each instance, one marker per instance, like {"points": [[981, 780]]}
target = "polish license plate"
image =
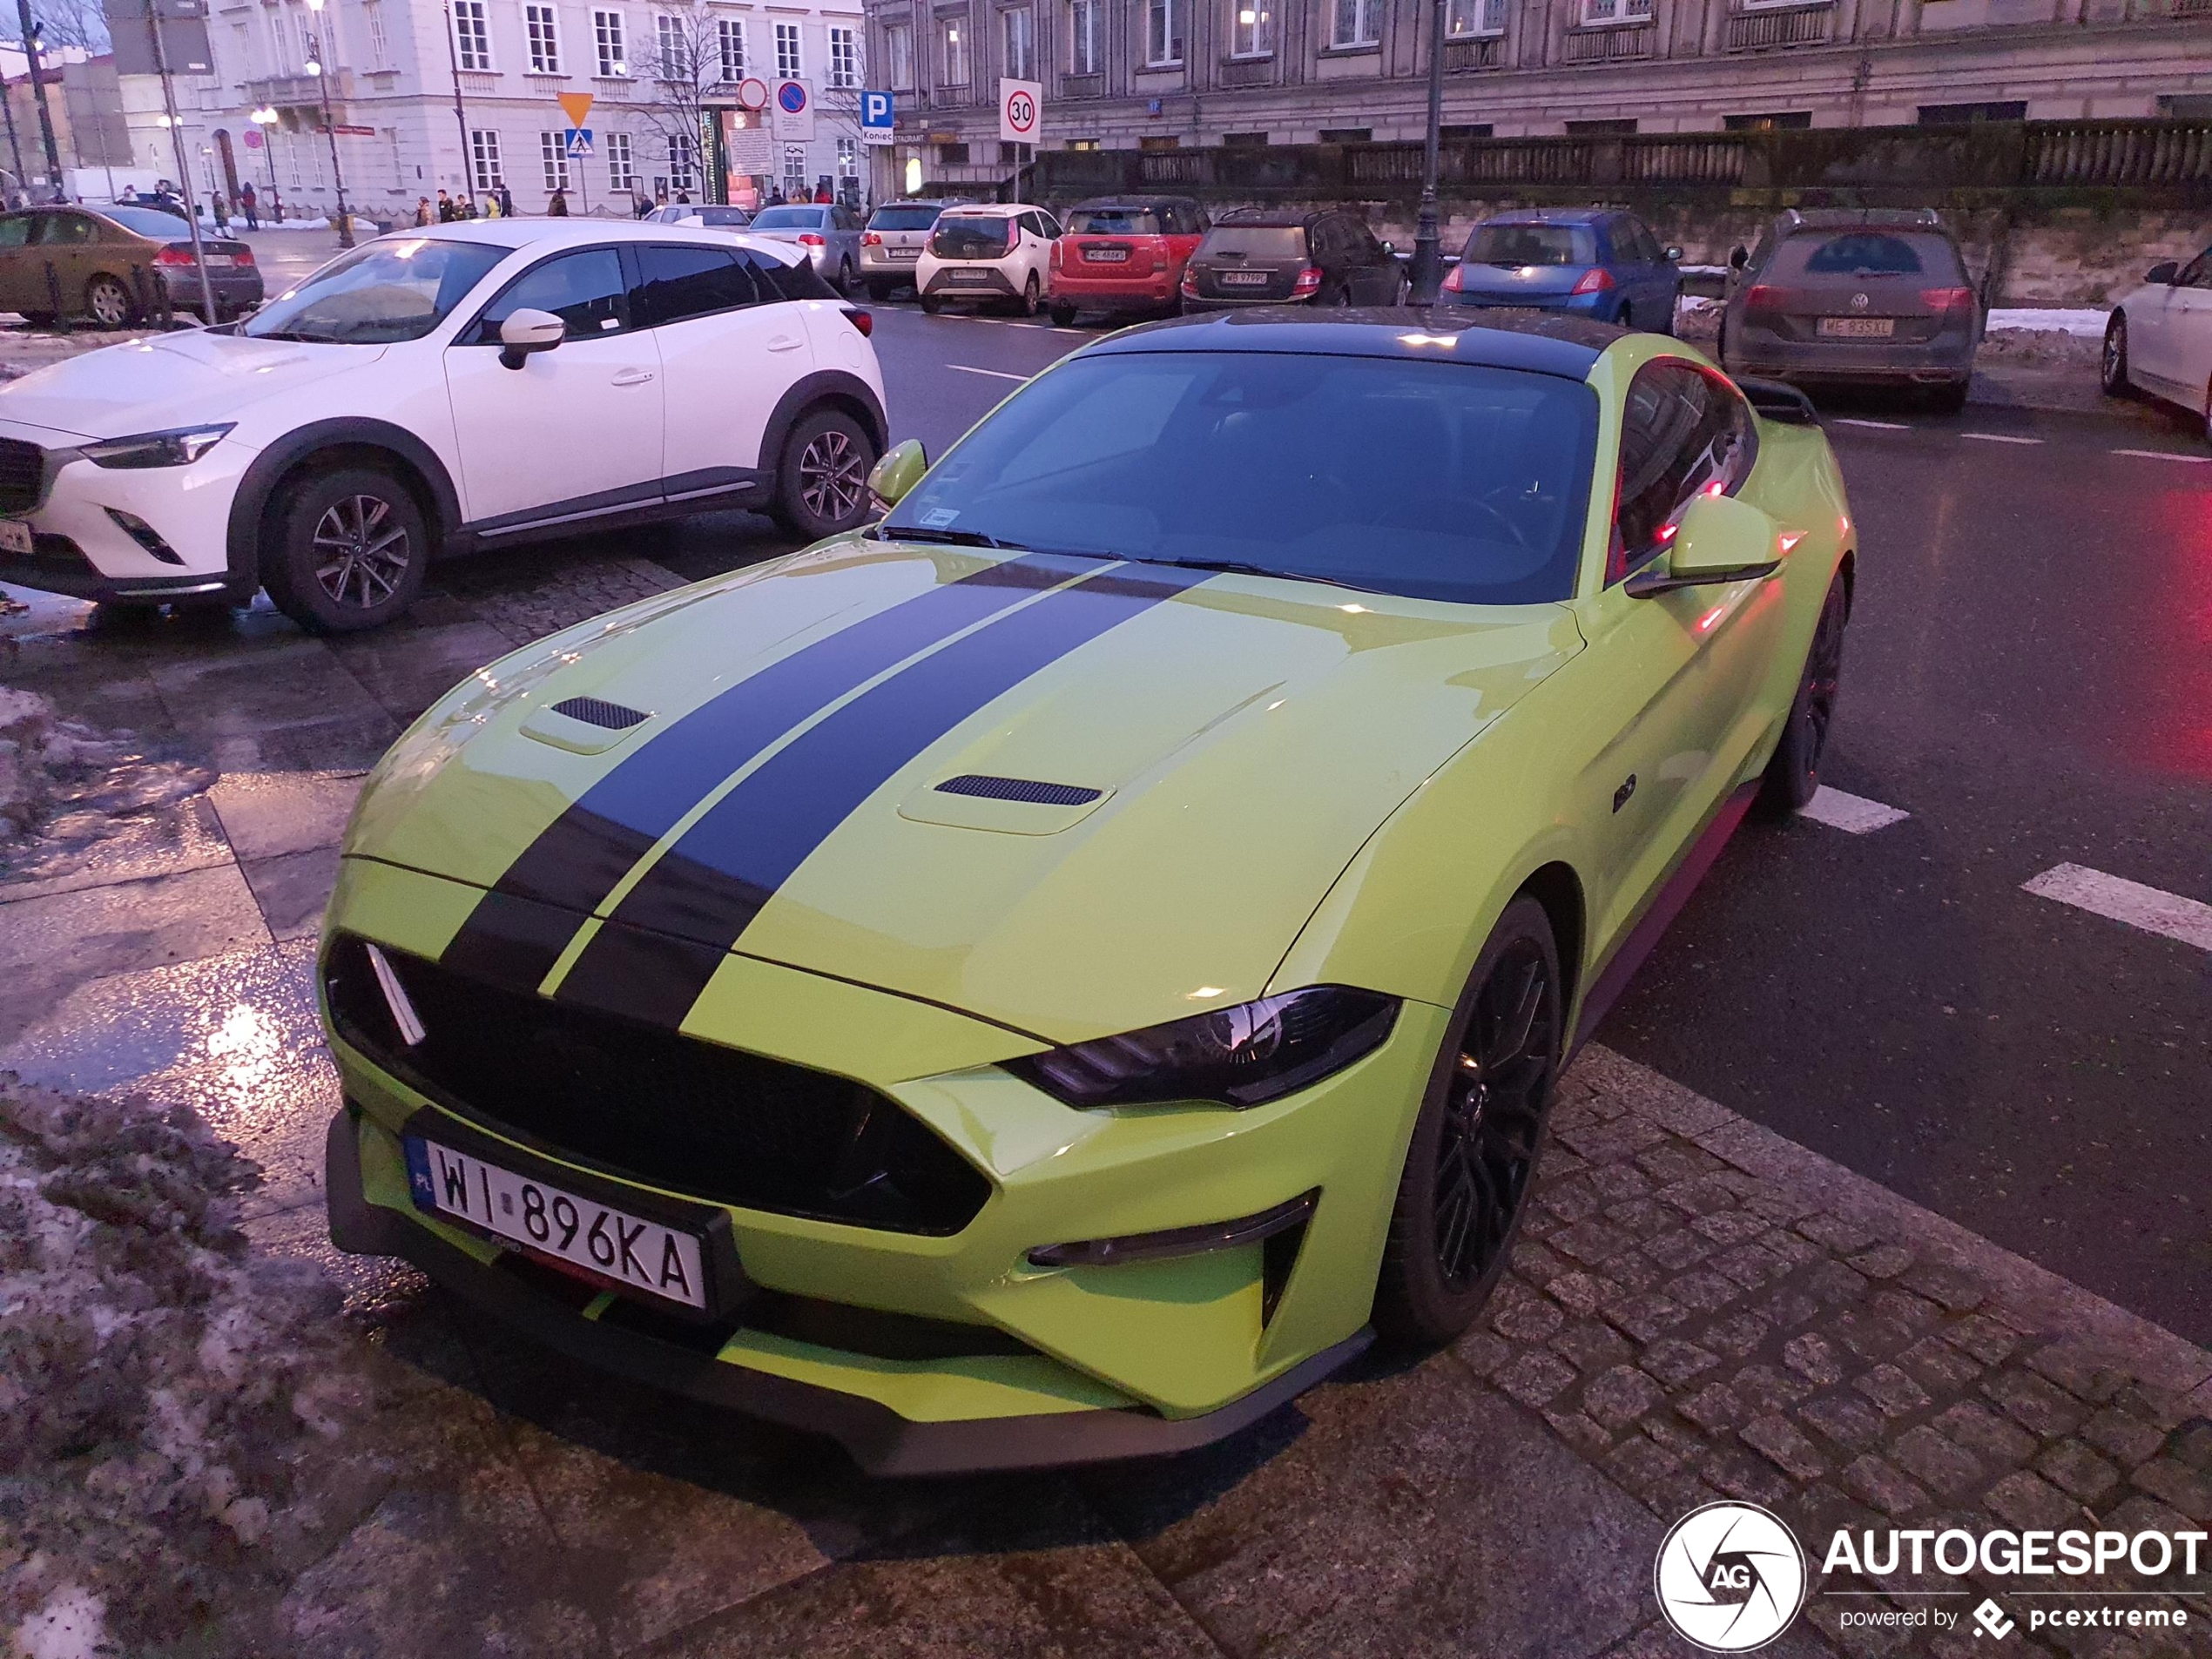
{"points": [[1243, 279], [1106, 256], [625, 1251], [1857, 327], [909, 254], [968, 276], [221, 258], [15, 536]]}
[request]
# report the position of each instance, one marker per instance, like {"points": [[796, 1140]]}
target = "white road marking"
{"points": [[1878, 426], [1999, 437], [1057, 330], [2167, 454], [995, 374], [2167, 914], [1853, 813]]}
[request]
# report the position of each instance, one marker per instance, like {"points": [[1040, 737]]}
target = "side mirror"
{"points": [[2165, 270], [1390, 248], [1717, 539], [1738, 257], [1674, 254], [527, 332], [893, 478]]}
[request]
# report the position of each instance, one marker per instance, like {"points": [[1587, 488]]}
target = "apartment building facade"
{"points": [[1160, 74], [464, 96]]}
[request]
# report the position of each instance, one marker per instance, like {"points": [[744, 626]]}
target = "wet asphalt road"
{"points": [[2029, 675]]}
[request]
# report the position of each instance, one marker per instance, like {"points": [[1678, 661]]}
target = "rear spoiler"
{"points": [[1777, 401]]}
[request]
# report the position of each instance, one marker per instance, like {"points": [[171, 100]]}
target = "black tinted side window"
{"points": [[781, 282], [1681, 431], [585, 290], [677, 283]]}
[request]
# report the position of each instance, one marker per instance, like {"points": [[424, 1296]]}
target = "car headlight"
{"points": [[1238, 1057], [178, 448]]}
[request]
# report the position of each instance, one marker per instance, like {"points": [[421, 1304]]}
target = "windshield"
{"points": [[1865, 253], [392, 288], [149, 221], [970, 236], [1530, 245], [916, 218], [1113, 221], [1432, 480], [1257, 241], [791, 218]]}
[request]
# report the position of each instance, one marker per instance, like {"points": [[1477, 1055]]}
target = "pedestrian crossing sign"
{"points": [[579, 143]]}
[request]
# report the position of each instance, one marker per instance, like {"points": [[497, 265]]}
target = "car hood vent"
{"points": [[597, 710], [1024, 789]]}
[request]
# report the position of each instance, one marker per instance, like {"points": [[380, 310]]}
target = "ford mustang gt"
{"points": [[1049, 976]]}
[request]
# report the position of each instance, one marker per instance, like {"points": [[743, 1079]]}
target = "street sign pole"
{"points": [[1429, 260], [184, 170], [468, 160]]}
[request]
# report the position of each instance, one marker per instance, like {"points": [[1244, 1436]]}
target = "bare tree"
{"points": [[73, 23], [683, 68]]}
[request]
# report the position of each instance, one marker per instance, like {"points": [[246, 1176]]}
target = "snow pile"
{"points": [[2088, 322], [163, 1394], [71, 784]]}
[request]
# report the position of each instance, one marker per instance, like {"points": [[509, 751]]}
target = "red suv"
{"points": [[1123, 253]]}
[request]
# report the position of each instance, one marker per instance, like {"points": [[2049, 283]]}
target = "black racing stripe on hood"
{"points": [[584, 854], [706, 889]]}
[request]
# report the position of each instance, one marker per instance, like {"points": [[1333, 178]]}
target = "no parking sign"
{"points": [[795, 110], [1020, 110]]}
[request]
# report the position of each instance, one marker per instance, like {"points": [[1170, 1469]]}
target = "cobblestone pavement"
{"points": [[1698, 1309]]}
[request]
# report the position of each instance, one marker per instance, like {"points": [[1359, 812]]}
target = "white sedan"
{"points": [[2160, 338], [475, 385]]}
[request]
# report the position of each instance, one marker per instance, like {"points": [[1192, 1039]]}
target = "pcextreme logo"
{"points": [[1730, 1577]]}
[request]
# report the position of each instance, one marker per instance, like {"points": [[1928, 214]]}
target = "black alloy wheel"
{"points": [[1473, 1155], [1794, 774], [2112, 365], [351, 550], [108, 303], [823, 488]]}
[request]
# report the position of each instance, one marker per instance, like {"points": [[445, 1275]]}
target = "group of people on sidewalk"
{"points": [[499, 203]]}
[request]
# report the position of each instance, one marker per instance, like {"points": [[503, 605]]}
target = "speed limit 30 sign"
{"points": [[1020, 106]]}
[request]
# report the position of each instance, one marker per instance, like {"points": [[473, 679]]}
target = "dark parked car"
{"points": [[1854, 297], [1260, 258], [1590, 262], [893, 242], [116, 266], [1120, 253]]}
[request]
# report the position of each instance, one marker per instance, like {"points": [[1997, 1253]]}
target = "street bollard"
{"points": [[54, 293]]}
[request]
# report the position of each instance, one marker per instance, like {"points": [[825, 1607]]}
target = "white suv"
{"points": [[992, 255], [475, 385]]}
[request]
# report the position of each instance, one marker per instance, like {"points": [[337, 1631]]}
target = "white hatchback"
{"points": [[2159, 339], [475, 385], [988, 255]]}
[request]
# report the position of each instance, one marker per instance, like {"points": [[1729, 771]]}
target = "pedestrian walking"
{"points": [[822, 192], [251, 203], [491, 206], [445, 208], [423, 215], [558, 207], [506, 202], [683, 196]]}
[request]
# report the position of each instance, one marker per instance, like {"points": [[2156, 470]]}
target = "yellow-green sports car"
{"points": [[1051, 976]]}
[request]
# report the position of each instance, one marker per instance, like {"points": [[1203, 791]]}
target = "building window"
{"points": [[1355, 23], [844, 58], [1346, 135], [606, 31], [553, 151], [670, 60], [952, 155], [1604, 14], [788, 64], [1779, 121], [1611, 126], [1470, 130], [1472, 19], [1251, 28], [795, 185], [621, 173], [848, 158], [1082, 37], [1243, 141], [1160, 141], [683, 161], [1163, 33], [545, 31], [953, 38], [899, 50], [471, 35], [1018, 33], [729, 43], [1950, 115], [380, 50], [483, 160]]}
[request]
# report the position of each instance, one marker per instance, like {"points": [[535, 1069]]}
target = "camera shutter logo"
{"points": [[1730, 1577]]}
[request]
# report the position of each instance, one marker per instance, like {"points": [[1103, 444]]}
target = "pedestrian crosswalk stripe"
{"points": [[1853, 813], [2167, 914]]}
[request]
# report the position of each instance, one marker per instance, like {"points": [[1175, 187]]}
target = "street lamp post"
{"points": [[1428, 262], [330, 126], [460, 115], [266, 118]]}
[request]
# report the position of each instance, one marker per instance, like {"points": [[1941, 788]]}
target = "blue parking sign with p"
{"points": [[875, 110]]}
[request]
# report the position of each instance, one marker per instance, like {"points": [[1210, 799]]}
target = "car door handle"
{"points": [[633, 377], [784, 342]]}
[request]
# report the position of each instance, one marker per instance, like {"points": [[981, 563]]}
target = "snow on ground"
{"points": [[2087, 321]]}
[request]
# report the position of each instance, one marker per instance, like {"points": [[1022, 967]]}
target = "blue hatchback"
{"points": [[1592, 262]]}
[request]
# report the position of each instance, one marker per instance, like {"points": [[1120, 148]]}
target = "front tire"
{"points": [[822, 484], [108, 303], [1794, 772], [351, 551], [930, 305], [2112, 364], [1473, 1155]]}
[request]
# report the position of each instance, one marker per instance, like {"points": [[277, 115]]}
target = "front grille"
{"points": [[656, 1106], [22, 476], [1025, 789]]}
